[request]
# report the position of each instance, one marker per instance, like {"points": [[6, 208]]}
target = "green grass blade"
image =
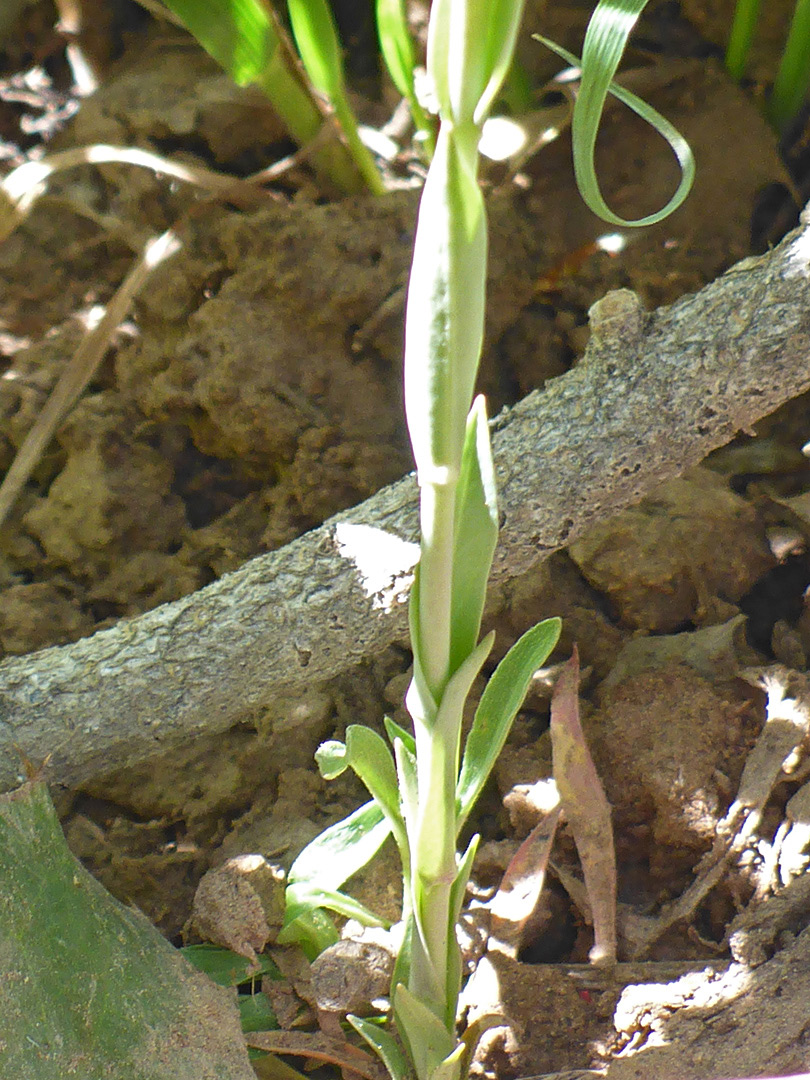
{"points": [[396, 46], [500, 25], [458, 893], [793, 78], [247, 39], [741, 36], [316, 36], [317, 40], [497, 709], [604, 43]]}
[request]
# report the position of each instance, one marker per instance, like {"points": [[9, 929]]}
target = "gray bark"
{"points": [[652, 396]]}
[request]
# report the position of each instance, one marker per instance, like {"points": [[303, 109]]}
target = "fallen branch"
{"points": [[652, 396]]}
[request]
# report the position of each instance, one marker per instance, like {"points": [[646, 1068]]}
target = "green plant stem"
{"points": [[742, 34], [793, 78], [358, 149], [436, 514], [433, 845]]}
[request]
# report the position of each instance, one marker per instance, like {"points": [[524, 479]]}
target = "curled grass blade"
{"points": [[604, 44]]}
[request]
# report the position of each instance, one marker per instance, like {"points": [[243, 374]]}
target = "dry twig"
{"points": [[653, 395]]}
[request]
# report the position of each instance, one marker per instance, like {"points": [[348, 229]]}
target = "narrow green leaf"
{"points": [[465, 866], [396, 731], [396, 45], [476, 529], [793, 77], [457, 894], [452, 1066], [304, 898], [605, 40], [256, 1014], [428, 1040], [419, 700], [501, 23], [239, 35], [741, 36], [317, 40], [342, 849], [385, 1045], [408, 787], [497, 709], [312, 930], [331, 759], [228, 968], [449, 716], [402, 964]]}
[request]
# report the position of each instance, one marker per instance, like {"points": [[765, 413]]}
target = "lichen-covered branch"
{"points": [[652, 396]]}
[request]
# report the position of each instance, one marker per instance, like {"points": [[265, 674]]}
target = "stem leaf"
{"points": [[385, 1046], [396, 731], [371, 759], [429, 1040], [476, 530], [341, 850], [301, 899], [497, 709], [331, 759]]}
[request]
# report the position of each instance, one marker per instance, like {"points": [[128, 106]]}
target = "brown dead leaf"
{"points": [[586, 809], [319, 1048]]}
